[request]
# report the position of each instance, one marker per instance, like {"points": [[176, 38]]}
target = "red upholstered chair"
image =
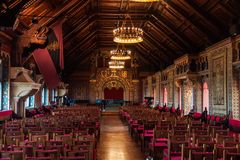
{"points": [[13, 140], [39, 158], [47, 153], [73, 158], [203, 155], [14, 155], [174, 149], [232, 155], [186, 152], [159, 143], [221, 151], [201, 138]]}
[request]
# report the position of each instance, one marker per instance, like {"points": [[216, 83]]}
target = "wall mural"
{"points": [[218, 79], [188, 96]]}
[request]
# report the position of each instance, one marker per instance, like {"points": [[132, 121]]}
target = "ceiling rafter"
{"points": [[72, 65], [164, 55], [204, 35], [218, 30], [175, 41], [164, 47], [56, 14], [148, 54], [141, 53], [84, 24], [85, 39]]}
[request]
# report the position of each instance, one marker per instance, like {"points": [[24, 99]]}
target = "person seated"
{"points": [[172, 109], [178, 111], [164, 108], [204, 115], [190, 114], [15, 116], [225, 120]]}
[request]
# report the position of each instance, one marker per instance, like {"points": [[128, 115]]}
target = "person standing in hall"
{"points": [[204, 115]]}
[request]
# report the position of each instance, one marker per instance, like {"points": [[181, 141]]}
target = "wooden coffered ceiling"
{"points": [[171, 27]]}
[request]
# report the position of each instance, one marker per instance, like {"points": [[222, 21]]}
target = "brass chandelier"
{"points": [[120, 54], [116, 64], [127, 34]]}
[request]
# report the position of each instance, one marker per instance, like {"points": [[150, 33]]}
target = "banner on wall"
{"points": [[50, 60], [55, 45], [46, 67]]}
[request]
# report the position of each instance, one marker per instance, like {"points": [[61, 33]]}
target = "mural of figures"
{"points": [[218, 79], [188, 96]]}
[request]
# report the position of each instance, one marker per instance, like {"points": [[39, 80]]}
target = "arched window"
{"points": [[29, 102], [165, 96], [44, 96], [205, 96]]}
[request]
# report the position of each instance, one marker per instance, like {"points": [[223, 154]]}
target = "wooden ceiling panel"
{"points": [[201, 2], [172, 27], [222, 14]]}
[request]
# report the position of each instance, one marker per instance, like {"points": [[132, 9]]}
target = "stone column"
{"points": [[144, 94], [150, 89], [15, 104]]}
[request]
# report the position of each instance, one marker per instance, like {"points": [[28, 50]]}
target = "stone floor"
{"points": [[115, 142]]}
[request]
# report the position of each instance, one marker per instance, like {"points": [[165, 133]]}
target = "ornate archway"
{"points": [[113, 90], [114, 82], [107, 78]]}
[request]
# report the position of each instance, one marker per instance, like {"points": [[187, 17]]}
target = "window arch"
{"points": [[205, 96], [45, 96], [29, 102]]}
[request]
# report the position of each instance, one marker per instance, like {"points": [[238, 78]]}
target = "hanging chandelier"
{"points": [[145, 0], [127, 34], [120, 54], [116, 64]]}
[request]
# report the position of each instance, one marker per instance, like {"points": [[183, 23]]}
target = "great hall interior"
{"points": [[119, 79]]}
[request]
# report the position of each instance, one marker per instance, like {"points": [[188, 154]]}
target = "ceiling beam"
{"points": [[60, 11], [141, 53], [159, 28], [216, 27], [166, 53], [148, 55], [205, 36], [84, 24], [85, 40]]}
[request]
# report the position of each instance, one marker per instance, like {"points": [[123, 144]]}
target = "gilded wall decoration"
{"points": [[235, 94], [115, 78], [218, 79], [113, 84]]}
